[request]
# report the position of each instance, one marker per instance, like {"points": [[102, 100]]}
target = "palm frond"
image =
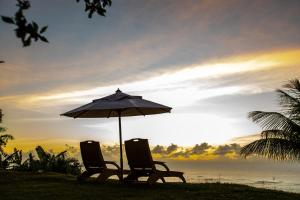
{"points": [[61, 154], [275, 134], [293, 84], [42, 154], [287, 99], [274, 148], [274, 121], [293, 87], [289, 103]]}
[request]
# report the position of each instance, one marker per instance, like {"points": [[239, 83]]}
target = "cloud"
{"points": [[199, 149], [222, 90], [174, 151], [222, 150], [184, 82], [111, 151], [150, 39], [202, 151], [158, 149], [196, 151], [171, 148]]}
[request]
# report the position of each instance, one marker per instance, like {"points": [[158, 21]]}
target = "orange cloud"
{"points": [[173, 152]]}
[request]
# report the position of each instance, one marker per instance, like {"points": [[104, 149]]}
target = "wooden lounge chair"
{"points": [[94, 163], [141, 163]]}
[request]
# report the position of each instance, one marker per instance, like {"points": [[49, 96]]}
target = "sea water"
{"points": [[283, 176]]}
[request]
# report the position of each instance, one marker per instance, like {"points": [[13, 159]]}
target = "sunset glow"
{"points": [[210, 71]]}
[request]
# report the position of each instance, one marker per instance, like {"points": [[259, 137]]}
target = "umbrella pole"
{"points": [[121, 150]]}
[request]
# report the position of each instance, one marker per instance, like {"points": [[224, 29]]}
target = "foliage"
{"points": [[60, 163], [46, 161], [12, 161], [280, 138], [98, 6], [6, 159], [4, 140], [29, 32], [25, 31]]}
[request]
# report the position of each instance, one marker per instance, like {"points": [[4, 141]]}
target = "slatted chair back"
{"points": [[91, 155], [138, 154]]}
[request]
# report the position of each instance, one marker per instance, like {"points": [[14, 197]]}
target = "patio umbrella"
{"points": [[118, 105]]}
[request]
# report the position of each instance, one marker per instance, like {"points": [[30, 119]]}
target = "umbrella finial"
{"points": [[118, 90]]}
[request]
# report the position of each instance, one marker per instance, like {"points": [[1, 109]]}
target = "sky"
{"points": [[212, 61]]}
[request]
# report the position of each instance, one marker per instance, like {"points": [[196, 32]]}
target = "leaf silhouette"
{"points": [[43, 39], [8, 20], [43, 29], [28, 32]]}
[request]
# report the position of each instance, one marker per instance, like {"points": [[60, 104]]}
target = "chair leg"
{"points": [[163, 180], [84, 175], [131, 178], [182, 178], [104, 176], [153, 178], [119, 176]]}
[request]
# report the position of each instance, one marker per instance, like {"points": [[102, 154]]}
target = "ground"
{"points": [[23, 186]]}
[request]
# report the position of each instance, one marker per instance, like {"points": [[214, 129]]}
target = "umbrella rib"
{"points": [[82, 112], [109, 113], [166, 110], [140, 111]]}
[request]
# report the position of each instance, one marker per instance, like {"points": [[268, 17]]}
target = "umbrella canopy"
{"points": [[117, 105], [119, 102]]}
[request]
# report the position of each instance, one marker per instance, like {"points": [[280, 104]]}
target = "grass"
{"points": [[21, 186]]}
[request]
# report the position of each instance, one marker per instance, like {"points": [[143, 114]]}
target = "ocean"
{"points": [[276, 175]]}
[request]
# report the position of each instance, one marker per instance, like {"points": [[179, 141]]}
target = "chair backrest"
{"points": [[91, 155], [138, 153]]}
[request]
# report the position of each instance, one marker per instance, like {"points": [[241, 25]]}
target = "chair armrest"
{"points": [[162, 164], [112, 163]]}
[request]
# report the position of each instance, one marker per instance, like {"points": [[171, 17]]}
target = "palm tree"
{"points": [[280, 138], [3, 138]]}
